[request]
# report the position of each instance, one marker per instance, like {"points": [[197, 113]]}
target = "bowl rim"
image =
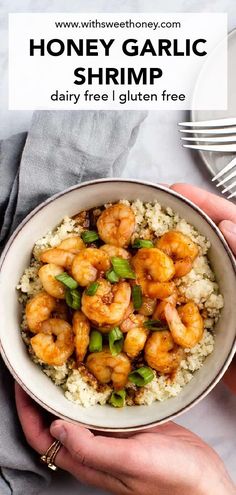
{"points": [[190, 204]]}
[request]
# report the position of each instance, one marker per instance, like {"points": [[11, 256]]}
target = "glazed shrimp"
{"points": [[38, 309], [131, 321], [87, 265], [159, 313], [116, 225], [161, 352], [181, 248], [107, 368], [72, 244], [136, 335], [154, 270], [128, 311], [54, 343], [58, 257], [47, 274], [108, 305], [186, 324], [115, 251], [148, 306], [81, 329]]}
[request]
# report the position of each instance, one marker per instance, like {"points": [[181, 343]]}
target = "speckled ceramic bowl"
{"points": [[16, 257]]}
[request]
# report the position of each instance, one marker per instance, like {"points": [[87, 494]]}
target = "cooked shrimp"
{"points": [[132, 321], [154, 270], [128, 311], [181, 248], [148, 306], [186, 324], [47, 274], [54, 343], [108, 305], [136, 335], [116, 225], [115, 251], [87, 265], [106, 367], [72, 244], [159, 313], [38, 309], [161, 352], [58, 257], [81, 329]]}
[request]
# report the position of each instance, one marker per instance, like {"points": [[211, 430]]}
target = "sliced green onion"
{"points": [[117, 398], [89, 236], [122, 267], [111, 276], [137, 296], [116, 340], [155, 325], [141, 376], [73, 299], [68, 281], [142, 243], [92, 289], [95, 341]]}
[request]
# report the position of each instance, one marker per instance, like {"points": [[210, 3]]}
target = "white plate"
{"points": [[216, 161]]}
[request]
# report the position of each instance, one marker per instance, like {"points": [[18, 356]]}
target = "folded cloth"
{"points": [[61, 149]]}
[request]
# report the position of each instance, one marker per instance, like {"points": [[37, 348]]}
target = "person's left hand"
{"points": [[166, 459]]}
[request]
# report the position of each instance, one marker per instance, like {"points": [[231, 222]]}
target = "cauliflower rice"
{"points": [[199, 285]]}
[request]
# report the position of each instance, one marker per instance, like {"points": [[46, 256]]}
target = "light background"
{"points": [[156, 156]]}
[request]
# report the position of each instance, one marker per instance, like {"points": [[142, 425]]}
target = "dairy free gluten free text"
{"points": [[122, 98]]}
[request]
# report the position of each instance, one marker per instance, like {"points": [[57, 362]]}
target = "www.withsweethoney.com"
{"points": [[127, 24]]}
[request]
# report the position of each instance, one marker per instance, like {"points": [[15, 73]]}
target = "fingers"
{"points": [[105, 481], [36, 433], [98, 452], [217, 208], [33, 425], [228, 230], [39, 438]]}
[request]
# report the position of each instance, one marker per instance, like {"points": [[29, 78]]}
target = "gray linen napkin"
{"points": [[61, 149]]}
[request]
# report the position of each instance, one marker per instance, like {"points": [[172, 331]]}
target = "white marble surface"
{"points": [[156, 156]]}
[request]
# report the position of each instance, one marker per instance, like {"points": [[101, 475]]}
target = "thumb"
{"points": [[228, 229], [97, 452]]}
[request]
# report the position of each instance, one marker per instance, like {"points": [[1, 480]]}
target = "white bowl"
{"points": [[16, 257]]}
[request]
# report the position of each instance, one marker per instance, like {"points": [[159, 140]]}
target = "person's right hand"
{"points": [[164, 460], [223, 213]]}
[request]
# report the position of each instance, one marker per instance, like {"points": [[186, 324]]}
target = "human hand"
{"points": [[223, 213], [220, 210], [165, 460]]}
